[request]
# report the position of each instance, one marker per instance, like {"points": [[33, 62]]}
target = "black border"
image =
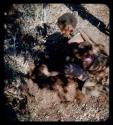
{"points": [[4, 5]]}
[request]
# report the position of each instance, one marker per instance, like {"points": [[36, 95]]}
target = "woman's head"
{"points": [[67, 23]]}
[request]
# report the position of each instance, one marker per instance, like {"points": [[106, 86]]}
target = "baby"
{"points": [[80, 60]]}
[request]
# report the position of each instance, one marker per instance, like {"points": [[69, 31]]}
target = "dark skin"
{"points": [[82, 53]]}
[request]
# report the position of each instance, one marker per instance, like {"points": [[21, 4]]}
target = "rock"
{"points": [[89, 83], [95, 93]]}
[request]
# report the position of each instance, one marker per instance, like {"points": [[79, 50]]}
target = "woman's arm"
{"points": [[76, 39]]}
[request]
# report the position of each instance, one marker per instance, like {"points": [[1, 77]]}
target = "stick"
{"points": [[86, 37]]}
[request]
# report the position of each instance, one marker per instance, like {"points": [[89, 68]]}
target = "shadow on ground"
{"points": [[91, 18]]}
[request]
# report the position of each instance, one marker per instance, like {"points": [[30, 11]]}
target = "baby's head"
{"points": [[81, 49], [84, 52], [67, 23]]}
